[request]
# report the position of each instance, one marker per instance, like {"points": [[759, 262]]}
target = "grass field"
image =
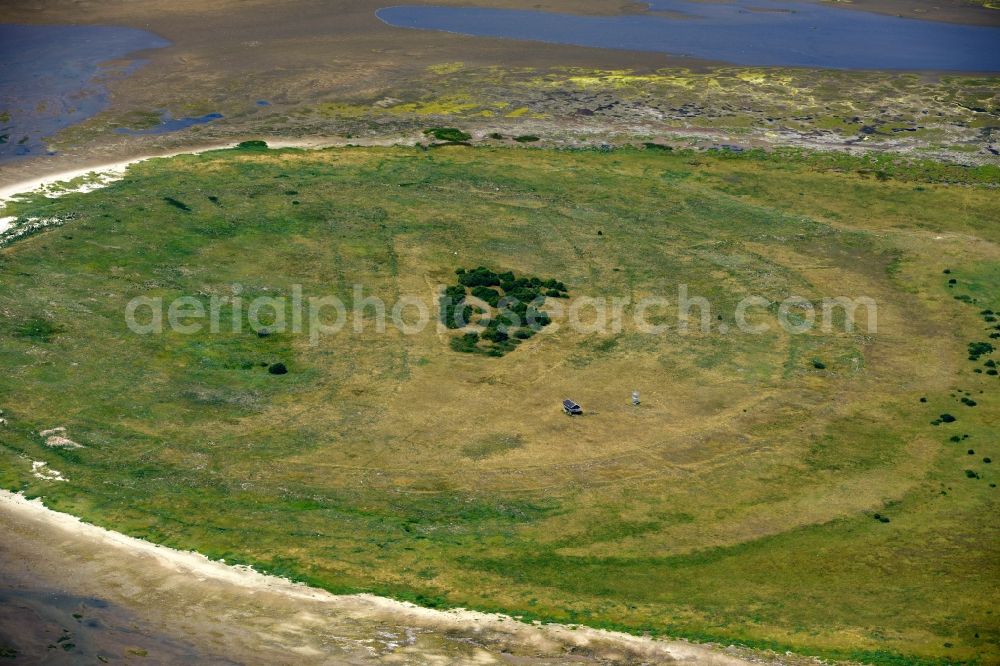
{"points": [[737, 504]]}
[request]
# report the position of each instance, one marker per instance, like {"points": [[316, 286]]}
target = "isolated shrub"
{"points": [[971, 474], [252, 145], [39, 329], [987, 460], [955, 438], [991, 371], [277, 369], [924, 399], [971, 452], [968, 402], [990, 363], [526, 138], [448, 134], [818, 364], [947, 418]]}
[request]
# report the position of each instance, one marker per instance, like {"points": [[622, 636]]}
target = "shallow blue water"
{"points": [[51, 77], [170, 124], [744, 32]]}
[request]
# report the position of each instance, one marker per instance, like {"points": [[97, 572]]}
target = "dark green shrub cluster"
{"points": [[514, 303], [452, 134], [944, 418], [455, 312], [526, 138], [880, 518], [487, 294], [252, 145], [977, 349]]}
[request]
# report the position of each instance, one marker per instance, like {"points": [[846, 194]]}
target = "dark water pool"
{"points": [[743, 32], [51, 77], [170, 124]]}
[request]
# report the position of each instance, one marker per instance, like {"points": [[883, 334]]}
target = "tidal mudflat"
{"points": [[54, 76]]}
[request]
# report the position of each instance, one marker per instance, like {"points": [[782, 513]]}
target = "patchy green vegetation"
{"points": [[505, 308], [736, 504]]}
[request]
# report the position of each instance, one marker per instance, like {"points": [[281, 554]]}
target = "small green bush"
{"points": [[252, 145], [526, 138], [39, 329], [947, 418], [448, 134]]}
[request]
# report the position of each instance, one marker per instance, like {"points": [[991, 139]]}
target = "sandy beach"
{"points": [[114, 595]]}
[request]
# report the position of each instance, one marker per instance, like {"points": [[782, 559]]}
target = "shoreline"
{"points": [[108, 172], [67, 531]]}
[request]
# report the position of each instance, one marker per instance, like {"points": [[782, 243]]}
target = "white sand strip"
{"points": [[259, 586], [102, 174]]}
